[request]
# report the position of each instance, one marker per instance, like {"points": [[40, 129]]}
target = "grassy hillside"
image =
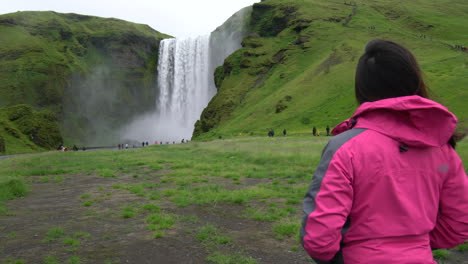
{"points": [[93, 72], [24, 130], [296, 67]]}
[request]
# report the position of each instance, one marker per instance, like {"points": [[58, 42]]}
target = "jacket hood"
{"points": [[410, 120]]}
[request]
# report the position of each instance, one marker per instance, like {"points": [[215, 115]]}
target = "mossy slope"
{"points": [[23, 130], [296, 67]]}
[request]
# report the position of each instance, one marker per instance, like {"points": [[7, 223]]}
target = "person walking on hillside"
{"points": [[390, 186], [328, 131], [314, 131], [284, 132]]}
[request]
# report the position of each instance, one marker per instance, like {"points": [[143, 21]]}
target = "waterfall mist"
{"points": [[185, 82]]}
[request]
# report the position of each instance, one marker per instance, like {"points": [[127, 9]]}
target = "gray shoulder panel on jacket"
{"points": [[333, 145]]}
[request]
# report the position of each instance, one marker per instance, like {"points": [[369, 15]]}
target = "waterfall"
{"points": [[185, 84]]}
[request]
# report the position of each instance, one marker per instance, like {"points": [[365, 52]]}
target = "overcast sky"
{"points": [[179, 18]]}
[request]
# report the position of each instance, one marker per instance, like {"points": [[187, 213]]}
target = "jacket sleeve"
{"points": [[327, 205], [452, 221]]}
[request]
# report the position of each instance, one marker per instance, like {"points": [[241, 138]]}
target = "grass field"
{"points": [[224, 201]]}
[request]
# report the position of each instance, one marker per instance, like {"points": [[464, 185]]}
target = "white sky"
{"points": [[179, 18]]}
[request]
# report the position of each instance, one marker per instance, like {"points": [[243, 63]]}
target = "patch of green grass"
{"points": [[11, 189], [156, 167], [54, 234], [159, 221], [88, 203], [59, 179], [158, 234], [82, 235], [128, 212], [269, 214], [209, 235], [151, 208], [220, 258], [441, 253], [85, 196], [14, 261], [286, 228], [107, 173], [44, 179], [72, 242], [462, 247], [11, 235], [51, 260], [155, 195], [74, 260]]}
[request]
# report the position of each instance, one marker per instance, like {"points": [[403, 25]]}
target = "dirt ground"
{"points": [[113, 239]]}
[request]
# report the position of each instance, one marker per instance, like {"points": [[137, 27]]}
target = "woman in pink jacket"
{"points": [[390, 186]]}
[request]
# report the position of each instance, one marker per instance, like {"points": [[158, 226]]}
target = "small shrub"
{"points": [[18, 111], [13, 132], [305, 121], [280, 107]]}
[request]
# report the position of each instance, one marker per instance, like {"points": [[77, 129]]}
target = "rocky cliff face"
{"points": [[95, 73]]}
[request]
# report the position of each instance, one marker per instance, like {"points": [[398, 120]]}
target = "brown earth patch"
{"points": [[114, 239]]}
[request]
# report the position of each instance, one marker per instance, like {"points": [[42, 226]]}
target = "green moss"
{"points": [[2, 144]]}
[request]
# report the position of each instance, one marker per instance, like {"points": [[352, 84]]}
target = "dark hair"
{"points": [[387, 70]]}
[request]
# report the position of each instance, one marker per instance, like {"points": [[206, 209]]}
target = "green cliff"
{"points": [[295, 69], [94, 73]]}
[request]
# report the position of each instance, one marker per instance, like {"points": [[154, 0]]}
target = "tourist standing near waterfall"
{"points": [[390, 186]]}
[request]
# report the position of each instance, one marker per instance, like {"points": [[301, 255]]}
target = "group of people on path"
{"points": [[315, 131], [74, 148], [146, 143]]}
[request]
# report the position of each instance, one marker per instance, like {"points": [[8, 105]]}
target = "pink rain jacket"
{"points": [[388, 188]]}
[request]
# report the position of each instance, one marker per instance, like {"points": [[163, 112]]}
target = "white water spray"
{"points": [[185, 86]]}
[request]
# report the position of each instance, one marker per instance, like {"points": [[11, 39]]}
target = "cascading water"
{"points": [[186, 82], [185, 86]]}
